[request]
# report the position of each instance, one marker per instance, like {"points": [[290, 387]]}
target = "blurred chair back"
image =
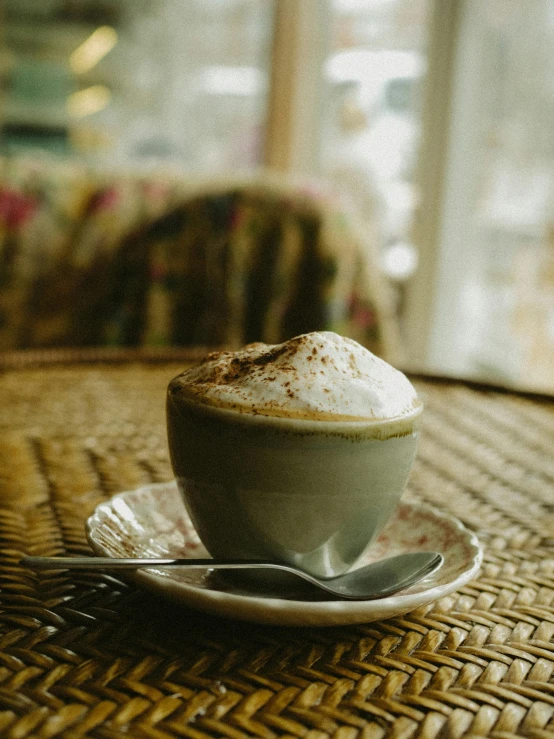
{"points": [[132, 261]]}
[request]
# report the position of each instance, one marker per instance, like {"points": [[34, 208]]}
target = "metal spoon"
{"points": [[376, 580]]}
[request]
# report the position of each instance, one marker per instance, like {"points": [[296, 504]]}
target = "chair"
{"points": [[247, 261], [213, 264]]}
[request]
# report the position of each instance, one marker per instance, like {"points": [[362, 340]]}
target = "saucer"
{"points": [[151, 521]]}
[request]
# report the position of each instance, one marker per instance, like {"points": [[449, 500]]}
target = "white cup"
{"points": [[306, 492]]}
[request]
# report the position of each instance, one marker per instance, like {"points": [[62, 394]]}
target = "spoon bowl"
{"points": [[376, 580]]}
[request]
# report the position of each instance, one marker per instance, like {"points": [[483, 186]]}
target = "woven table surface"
{"points": [[88, 654]]}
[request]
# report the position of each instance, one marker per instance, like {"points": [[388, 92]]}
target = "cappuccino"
{"points": [[297, 452], [318, 376]]}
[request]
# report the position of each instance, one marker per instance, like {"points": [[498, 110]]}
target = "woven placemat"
{"points": [[90, 655]]}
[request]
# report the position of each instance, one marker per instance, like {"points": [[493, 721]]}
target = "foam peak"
{"points": [[316, 376]]}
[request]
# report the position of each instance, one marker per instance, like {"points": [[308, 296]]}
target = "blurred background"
{"points": [[432, 119]]}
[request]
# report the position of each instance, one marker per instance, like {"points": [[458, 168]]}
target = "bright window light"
{"points": [[399, 261], [88, 101], [356, 6], [359, 64], [371, 70], [93, 49], [232, 80]]}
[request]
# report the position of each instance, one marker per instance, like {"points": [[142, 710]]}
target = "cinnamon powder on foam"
{"points": [[317, 376]]}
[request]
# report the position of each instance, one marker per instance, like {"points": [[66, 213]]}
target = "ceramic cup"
{"points": [[310, 493]]}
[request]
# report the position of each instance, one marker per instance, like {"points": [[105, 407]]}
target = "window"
{"points": [[431, 117], [139, 82], [493, 311]]}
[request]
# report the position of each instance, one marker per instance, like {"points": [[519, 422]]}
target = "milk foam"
{"points": [[318, 376]]}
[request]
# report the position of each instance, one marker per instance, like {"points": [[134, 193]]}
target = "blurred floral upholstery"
{"points": [[126, 260]]}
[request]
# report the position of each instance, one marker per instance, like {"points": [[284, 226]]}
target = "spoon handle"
{"points": [[132, 563], [375, 580]]}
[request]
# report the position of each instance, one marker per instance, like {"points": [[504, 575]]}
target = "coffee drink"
{"points": [[319, 377], [297, 452]]}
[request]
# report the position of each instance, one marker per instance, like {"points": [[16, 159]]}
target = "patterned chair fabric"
{"points": [[89, 259]]}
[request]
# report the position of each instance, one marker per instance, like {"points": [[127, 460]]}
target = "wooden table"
{"points": [[91, 655]]}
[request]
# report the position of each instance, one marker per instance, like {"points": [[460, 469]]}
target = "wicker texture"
{"points": [[89, 655]]}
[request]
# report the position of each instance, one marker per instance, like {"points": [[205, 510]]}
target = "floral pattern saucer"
{"points": [[151, 521]]}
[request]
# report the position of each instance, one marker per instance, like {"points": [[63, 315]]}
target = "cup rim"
{"points": [[378, 427]]}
